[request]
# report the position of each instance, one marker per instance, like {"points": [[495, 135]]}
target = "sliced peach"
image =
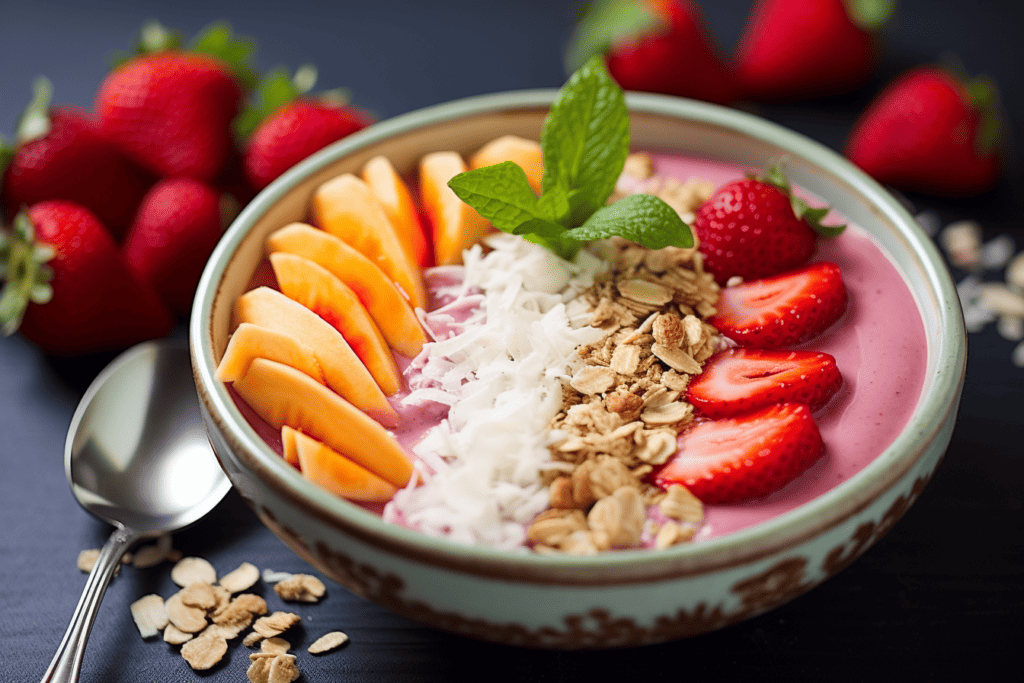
{"points": [[456, 225], [282, 395], [289, 445], [332, 471], [386, 305], [346, 208], [526, 153], [317, 289], [343, 371], [394, 197], [250, 341]]}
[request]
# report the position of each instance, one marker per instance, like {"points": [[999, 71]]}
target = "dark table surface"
{"points": [[940, 598]]}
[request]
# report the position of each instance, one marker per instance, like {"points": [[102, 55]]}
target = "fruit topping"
{"points": [[342, 368], [455, 226], [282, 395], [394, 197], [527, 154], [736, 459], [736, 381], [332, 471], [382, 299], [754, 227], [346, 208], [249, 342], [783, 310]]}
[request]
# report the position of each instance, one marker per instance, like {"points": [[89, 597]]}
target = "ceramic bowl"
{"points": [[619, 598]]}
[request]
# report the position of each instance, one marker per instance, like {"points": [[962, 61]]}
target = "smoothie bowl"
{"points": [[468, 498]]}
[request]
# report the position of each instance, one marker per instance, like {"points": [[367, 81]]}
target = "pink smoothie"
{"points": [[879, 346]]}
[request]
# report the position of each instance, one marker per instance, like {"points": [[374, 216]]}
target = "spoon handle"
{"points": [[67, 662]]}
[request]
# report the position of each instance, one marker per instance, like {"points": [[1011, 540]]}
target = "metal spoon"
{"points": [[136, 456]]}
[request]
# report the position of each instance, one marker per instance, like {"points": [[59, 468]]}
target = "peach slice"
{"points": [[250, 341], [289, 445], [526, 153], [332, 471], [394, 197], [386, 305], [346, 208], [282, 395], [317, 289], [343, 371], [456, 225]]}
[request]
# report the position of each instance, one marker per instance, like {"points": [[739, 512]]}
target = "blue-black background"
{"points": [[940, 598]]}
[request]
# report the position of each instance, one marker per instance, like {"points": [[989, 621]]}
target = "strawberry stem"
{"points": [[870, 15], [608, 23], [23, 266], [35, 120], [776, 176], [277, 88]]}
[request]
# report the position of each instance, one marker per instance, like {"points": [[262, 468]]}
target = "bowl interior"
{"points": [[660, 123]]}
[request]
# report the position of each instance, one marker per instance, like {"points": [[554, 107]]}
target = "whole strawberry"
{"points": [[931, 132], [67, 289], [294, 131], [659, 46], [793, 49], [754, 227], [171, 112], [178, 224], [61, 154]]}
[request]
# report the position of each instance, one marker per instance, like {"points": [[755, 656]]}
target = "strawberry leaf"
{"points": [[275, 89], [218, 40], [984, 95], [776, 176], [870, 15], [23, 267], [607, 23], [35, 120]]}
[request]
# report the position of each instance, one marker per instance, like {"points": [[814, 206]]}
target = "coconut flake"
{"points": [[503, 344]]}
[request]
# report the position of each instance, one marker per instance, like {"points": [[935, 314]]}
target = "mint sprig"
{"points": [[584, 142]]}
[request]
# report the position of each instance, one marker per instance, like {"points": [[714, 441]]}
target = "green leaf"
{"points": [[35, 120], [814, 216], [218, 40], [607, 23], [502, 194], [642, 218], [585, 138], [870, 15], [25, 271]]}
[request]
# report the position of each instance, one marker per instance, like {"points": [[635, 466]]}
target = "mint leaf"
{"points": [[642, 218], [606, 23], [585, 139], [502, 194]]}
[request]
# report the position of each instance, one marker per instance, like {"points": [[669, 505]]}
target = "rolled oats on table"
{"points": [[301, 588], [327, 642]]}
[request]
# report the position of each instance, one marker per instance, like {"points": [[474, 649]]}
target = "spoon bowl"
{"points": [[136, 456]]}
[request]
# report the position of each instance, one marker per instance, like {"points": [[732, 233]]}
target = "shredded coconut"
{"points": [[503, 343]]}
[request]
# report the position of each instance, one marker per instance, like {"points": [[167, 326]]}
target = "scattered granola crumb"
{"points": [[301, 588], [199, 594], [193, 570], [252, 639], [275, 645], [185, 618], [153, 554], [203, 652], [175, 636], [327, 642], [270, 576], [149, 614], [240, 579], [87, 559], [275, 624]]}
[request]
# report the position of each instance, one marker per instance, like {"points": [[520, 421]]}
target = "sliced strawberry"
{"points": [[738, 381], [733, 460], [783, 310]]}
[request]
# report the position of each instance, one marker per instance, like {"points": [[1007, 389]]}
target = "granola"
{"points": [[623, 409]]}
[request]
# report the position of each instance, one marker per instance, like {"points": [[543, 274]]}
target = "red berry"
{"points": [[171, 112], [733, 460], [96, 303], [793, 49], [737, 381], [660, 46], [748, 228], [930, 132], [784, 310], [177, 227], [295, 131], [72, 161]]}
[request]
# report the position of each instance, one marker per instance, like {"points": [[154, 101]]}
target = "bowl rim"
{"points": [[937, 403]]}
